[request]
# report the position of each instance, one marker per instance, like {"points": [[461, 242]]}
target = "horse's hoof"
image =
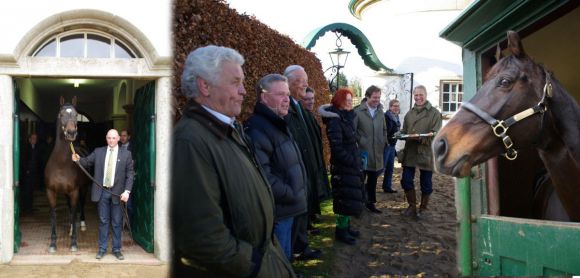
{"points": [[83, 226], [51, 249], [74, 249]]}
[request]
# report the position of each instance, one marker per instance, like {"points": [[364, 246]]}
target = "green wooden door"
{"points": [[524, 247], [143, 140], [16, 169]]}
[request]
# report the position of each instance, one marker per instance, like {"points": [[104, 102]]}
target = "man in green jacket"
{"points": [[371, 130], [422, 119], [222, 208]]}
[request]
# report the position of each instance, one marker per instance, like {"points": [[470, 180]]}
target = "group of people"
{"points": [[243, 198]]}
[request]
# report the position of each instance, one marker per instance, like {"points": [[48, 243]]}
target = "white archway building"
{"points": [[28, 25]]}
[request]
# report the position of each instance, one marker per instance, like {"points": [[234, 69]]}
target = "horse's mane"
{"points": [[566, 113]]}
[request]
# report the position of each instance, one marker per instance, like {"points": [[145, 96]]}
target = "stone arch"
{"points": [[358, 39], [88, 19]]}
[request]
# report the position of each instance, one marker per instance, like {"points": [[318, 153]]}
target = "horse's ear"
{"points": [[515, 44], [74, 101], [61, 100], [497, 52]]}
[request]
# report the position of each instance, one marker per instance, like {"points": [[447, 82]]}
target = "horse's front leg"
{"points": [[52, 202], [81, 208], [52, 246], [73, 218]]}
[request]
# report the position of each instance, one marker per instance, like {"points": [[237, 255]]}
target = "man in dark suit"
{"points": [[125, 143], [114, 168], [126, 140], [30, 170]]}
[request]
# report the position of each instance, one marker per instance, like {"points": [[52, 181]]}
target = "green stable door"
{"points": [[143, 141], [514, 247], [491, 243], [16, 168]]}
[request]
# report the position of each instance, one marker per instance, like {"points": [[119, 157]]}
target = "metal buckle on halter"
{"points": [[507, 142], [500, 124], [511, 154], [548, 89], [542, 107]]}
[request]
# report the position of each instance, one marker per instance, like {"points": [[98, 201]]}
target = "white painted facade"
{"points": [[146, 26], [405, 37]]}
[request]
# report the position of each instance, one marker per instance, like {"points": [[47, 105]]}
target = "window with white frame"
{"points": [[451, 95], [84, 44]]}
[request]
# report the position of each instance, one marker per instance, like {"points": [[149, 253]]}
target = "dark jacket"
{"points": [[323, 186], [345, 161], [128, 146], [301, 130], [280, 158], [30, 161], [393, 126], [222, 209], [124, 172]]}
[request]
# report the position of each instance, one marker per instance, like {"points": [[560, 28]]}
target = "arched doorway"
{"points": [[91, 50]]}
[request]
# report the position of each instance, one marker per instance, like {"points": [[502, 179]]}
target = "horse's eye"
{"points": [[505, 82]]}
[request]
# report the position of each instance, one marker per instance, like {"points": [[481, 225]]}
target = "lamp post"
{"points": [[338, 58]]}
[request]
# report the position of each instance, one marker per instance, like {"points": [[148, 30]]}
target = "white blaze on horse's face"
{"points": [[68, 122]]}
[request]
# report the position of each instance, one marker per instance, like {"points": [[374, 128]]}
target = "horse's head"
{"points": [[505, 114], [67, 120]]}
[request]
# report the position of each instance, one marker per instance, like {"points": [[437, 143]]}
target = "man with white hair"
{"points": [[300, 122], [222, 208]]}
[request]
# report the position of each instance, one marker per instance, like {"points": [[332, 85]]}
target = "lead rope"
{"points": [[127, 223]]}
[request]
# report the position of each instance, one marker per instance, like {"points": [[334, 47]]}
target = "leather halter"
{"points": [[500, 127]]}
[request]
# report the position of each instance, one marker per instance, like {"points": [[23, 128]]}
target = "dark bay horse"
{"points": [[520, 106], [61, 173]]}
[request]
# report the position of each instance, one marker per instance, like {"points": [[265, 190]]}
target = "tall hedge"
{"points": [[202, 22], [198, 23]]}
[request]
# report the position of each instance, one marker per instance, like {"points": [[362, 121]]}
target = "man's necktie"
{"points": [[109, 170]]}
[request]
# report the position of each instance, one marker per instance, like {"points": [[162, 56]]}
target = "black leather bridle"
{"points": [[500, 127]]}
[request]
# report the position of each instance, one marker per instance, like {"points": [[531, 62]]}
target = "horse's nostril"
{"points": [[440, 148]]}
